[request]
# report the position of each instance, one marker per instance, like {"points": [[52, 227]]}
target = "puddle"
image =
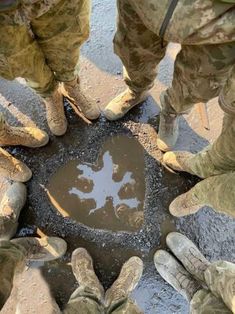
{"points": [[106, 195]]}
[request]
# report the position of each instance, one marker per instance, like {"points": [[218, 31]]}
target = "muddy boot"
{"points": [[185, 161], [83, 270], [124, 102], [24, 136], [72, 91], [12, 168], [185, 204], [173, 273], [12, 200], [168, 127], [56, 119], [42, 249], [128, 279], [189, 255]]}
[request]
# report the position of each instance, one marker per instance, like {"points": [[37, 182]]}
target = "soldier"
{"points": [[208, 287], [90, 296], [204, 69], [15, 253], [40, 41]]}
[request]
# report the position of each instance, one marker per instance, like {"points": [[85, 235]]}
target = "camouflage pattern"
{"points": [[12, 261], [200, 68], [2, 120], [88, 303], [41, 41], [220, 279], [217, 192]]}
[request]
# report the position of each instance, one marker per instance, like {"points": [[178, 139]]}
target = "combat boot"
{"points": [[72, 91], [56, 119], [24, 136], [124, 102], [185, 204], [12, 168], [192, 163], [128, 279], [168, 128], [83, 270], [173, 273], [42, 249], [188, 254], [12, 200]]}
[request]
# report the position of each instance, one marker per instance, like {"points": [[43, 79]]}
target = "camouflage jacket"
{"points": [[193, 21]]}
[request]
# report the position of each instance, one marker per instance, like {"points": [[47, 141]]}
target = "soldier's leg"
{"points": [[204, 302], [219, 276], [220, 157], [220, 279], [217, 192], [12, 258], [60, 34], [117, 296], [21, 56], [88, 297], [141, 51], [199, 75]]}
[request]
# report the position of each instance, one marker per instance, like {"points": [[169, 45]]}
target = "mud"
{"points": [[101, 78], [106, 195]]}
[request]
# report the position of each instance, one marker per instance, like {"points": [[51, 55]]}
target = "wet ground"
{"points": [[82, 149]]}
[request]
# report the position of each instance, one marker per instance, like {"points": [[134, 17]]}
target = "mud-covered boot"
{"points": [[185, 204], [83, 270], [56, 119], [42, 249], [24, 136], [12, 200], [189, 255], [73, 92], [173, 273], [124, 102], [12, 168], [194, 164], [168, 128], [128, 279]]}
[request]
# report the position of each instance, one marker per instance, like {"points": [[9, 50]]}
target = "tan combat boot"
{"points": [[124, 102], [185, 204], [56, 119], [72, 91], [83, 270], [168, 128], [24, 136], [42, 249], [173, 273], [128, 279], [12, 200], [12, 168], [189, 255]]}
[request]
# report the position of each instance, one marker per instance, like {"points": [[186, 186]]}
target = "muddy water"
{"points": [[106, 195]]}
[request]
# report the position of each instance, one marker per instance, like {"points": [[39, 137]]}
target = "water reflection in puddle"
{"points": [[106, 195]]}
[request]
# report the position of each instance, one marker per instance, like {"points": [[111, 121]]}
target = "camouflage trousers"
{"points": [[220, 298], [84, 301], [202, 71], [217, 192], [12, 262], [46, 49]]}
